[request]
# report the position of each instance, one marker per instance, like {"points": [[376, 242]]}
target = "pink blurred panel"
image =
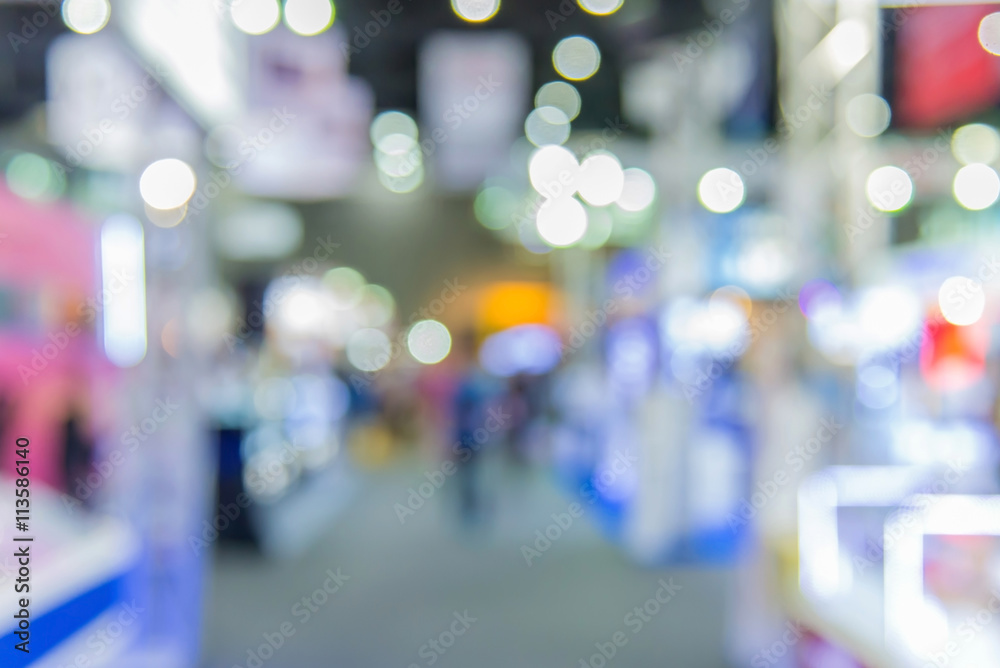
{"points": [[48, 252], [45, 245]]}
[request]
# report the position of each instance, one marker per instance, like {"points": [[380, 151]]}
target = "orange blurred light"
{"points": [[505, 305]]}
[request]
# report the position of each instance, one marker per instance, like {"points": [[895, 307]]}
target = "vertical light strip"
{"points": [[904, 600], [819, 553], [123, 273]]}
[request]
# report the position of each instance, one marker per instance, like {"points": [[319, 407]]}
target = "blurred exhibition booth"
{"points": [[729, 268]]}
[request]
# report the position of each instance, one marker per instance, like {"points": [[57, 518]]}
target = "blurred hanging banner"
{"points": [[305, 134], [100, 100], [283, 117], [474, 94]]}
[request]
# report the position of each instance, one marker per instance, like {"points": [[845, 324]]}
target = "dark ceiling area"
{"points": [[390, 61], [22, 56]]}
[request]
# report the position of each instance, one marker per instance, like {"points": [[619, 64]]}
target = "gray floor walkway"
{"points": [[408, 584]]}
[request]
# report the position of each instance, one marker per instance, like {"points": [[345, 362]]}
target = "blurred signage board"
{"points": [[99, 101], [474, 92], [305, 132], [942, 72]]}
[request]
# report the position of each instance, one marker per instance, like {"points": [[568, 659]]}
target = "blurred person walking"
{"points": [[475, 394]]}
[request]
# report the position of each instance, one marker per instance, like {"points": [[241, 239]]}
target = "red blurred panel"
{"points": [[943, 74], [953, 357]]}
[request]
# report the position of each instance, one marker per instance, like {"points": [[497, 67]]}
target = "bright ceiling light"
{"points": [[475, 11], [962, 300], [888, 314], [255, 17], [309, 17], [601, 7], [428, 341], [721, 190], [638, 191], [989, 33], [889, 188], [553, 172], [601, 179], [86, 16], [561, 222], [576, 58], [167, 184], [976, 187]]}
